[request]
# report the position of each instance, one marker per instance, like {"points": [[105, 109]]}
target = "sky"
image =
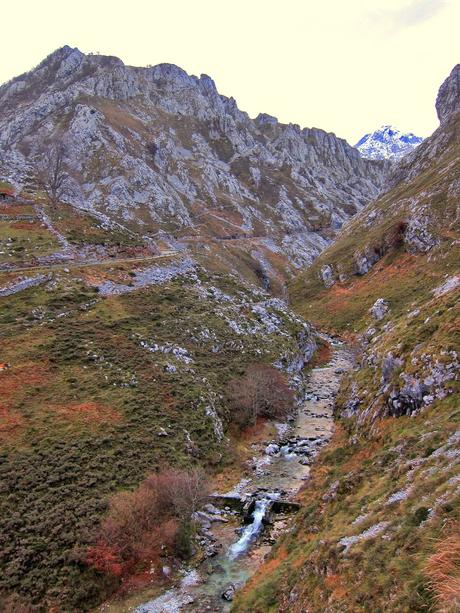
{"points": [[347, 66]]}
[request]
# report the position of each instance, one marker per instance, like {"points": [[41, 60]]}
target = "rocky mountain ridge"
{"points": [[161, 151]]}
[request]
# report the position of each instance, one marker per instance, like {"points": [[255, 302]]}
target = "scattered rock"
{"points": [[448, 286], [327, 275]]}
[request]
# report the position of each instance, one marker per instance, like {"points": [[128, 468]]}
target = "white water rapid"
{"points": [[252, 530]]}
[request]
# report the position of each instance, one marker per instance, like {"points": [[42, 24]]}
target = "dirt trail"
{"points": [[93, 262]]}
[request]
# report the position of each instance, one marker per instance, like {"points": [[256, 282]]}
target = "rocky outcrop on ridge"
{"points": [[448, 100], [157, 149]]}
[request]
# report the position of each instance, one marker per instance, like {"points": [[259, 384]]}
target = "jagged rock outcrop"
{"points": [[157, 149], [388, 481], [448, 100], [413, 225], [379, 309], [447, 107]]}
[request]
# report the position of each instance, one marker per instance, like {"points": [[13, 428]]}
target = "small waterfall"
{"points": [[252, 530]]}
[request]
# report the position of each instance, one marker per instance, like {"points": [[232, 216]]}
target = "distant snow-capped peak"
{"points": [[387, 143]]}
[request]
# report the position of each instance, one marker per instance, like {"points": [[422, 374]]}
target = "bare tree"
{"points": [[187, 491], [262, 391], [50, 173]]}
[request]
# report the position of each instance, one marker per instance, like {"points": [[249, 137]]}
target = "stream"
{"points": [[279, 469]]}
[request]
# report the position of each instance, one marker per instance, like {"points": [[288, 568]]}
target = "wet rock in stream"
{"points": [[229, 593]]}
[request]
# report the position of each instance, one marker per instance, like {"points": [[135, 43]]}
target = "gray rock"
{"points": [[202, 149], [365, 261], [327, 275], [379, 309], [389, 365], [272, 449], [448, 99], [229, 592]]}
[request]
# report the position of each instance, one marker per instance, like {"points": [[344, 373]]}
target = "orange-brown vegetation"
{"points": [[24, 225], [149, 523], [16, 381], [359, 457], [16, 377], [262, 391], [342, 298], [88, 412], [335, 584], [10, 421], [443, 570], [272, 564], [322, 355]]}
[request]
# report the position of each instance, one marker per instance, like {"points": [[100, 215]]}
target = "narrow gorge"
{"points": [[229, 352], [279, 468]]}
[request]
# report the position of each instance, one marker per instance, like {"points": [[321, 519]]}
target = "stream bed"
{"points": [[279, 469]]}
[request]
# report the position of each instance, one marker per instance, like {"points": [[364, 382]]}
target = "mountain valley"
{"points": [[164, 260]]}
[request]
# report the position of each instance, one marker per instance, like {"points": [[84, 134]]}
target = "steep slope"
{"points": [[163, 152], [380, 522], [110, 369], [387, 143]]}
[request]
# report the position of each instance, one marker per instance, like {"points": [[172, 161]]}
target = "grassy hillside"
{"points": [[109, 371], [379, 529]]}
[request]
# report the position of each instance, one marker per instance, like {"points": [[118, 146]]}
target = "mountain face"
{"points": [[387, 143], [448, 100], [158, 150], [380, 527]]}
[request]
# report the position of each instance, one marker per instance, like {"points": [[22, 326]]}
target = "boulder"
{"points": [[379, 309], [272, 449], [229, 592], [327, 276]]}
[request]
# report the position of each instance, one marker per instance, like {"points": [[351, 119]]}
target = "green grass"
{"points": [[372, 455], [21, 240], [83, 404]]}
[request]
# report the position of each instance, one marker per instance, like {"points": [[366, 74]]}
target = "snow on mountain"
{"points": [[387, 143]]}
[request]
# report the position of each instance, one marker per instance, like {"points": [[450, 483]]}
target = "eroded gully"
{"points": [[279, 469]]}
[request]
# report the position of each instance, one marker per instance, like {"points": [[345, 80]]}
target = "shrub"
{"points": [[262, 391], [13, 603], [421, 514], [154, 519]]}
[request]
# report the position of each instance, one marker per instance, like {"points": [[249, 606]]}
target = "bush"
{"points": [[262, 391], [153, 520]]}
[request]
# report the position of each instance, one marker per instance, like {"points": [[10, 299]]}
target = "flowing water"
{"points": [[277, 476], [253, 529]]}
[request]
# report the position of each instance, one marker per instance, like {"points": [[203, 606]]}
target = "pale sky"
{"points": [[347, 66]]}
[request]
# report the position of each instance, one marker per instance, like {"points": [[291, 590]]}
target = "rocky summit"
{"points": [[161, 151], [387, 143]]}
